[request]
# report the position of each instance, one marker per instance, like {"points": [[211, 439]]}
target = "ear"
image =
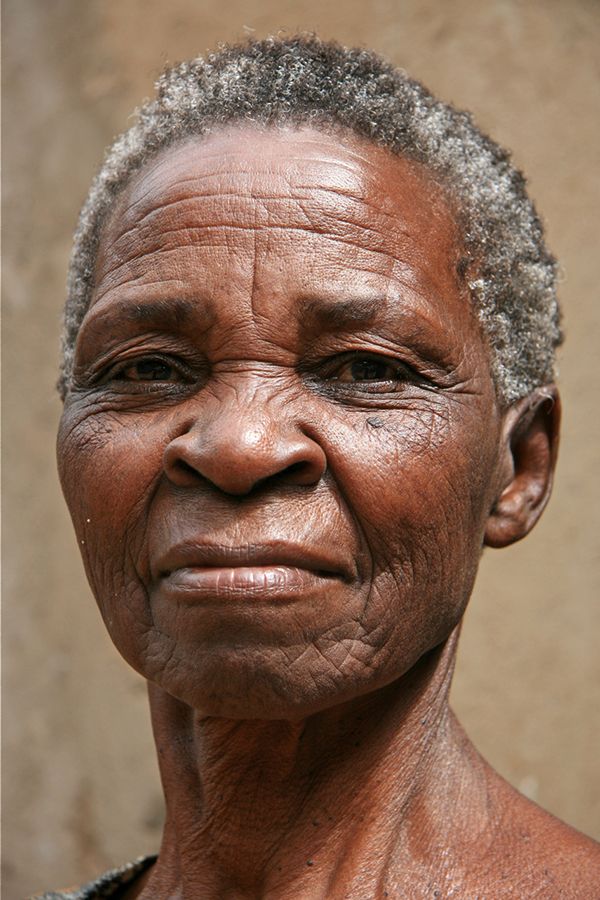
{"points": [[528, 451]]}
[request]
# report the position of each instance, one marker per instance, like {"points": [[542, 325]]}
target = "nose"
{"points": [[238, 451]]}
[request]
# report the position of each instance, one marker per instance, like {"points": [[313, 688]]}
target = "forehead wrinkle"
{"points": [[223, 228], [279, 158], [287, 167], [311, 205], [356, 185], [308, 199], [306, 193], [318, 224]]}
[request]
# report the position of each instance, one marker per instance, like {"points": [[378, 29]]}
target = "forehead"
{"points": [[296, 210], [271, 165], [340, 174]]}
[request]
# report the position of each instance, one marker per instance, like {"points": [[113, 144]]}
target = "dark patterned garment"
{"points": [[111, 884]]}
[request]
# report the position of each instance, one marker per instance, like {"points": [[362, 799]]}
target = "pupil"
{"points": [[368, 370], [153, 371]]}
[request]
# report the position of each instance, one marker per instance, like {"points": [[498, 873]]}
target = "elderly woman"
{"points": [[308, 375]]}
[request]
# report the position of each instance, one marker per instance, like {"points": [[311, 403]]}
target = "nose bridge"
{"points": [[244, 430], [253, 404]]}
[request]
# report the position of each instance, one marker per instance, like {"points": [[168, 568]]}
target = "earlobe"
{"points": [[526, 466]]}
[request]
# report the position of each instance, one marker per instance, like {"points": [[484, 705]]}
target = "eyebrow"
{"points": [[332, 314], [349, 313], [175, 311], [324, 313], [168, 313]]}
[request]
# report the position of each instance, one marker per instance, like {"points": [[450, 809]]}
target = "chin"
{"points": [[216, 689], [263, 684]]}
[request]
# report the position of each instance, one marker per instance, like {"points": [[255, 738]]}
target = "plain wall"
{"points": [[81, 789]]}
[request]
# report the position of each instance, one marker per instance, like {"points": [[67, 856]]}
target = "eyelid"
{"points": [[337, 361], [106, 370], [123, 368], [429, 361], [128, 349]]}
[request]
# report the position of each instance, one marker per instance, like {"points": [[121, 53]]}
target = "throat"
{"points": [[254, 807]]}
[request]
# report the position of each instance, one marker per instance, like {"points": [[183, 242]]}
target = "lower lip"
{"points": [[270, 583]]}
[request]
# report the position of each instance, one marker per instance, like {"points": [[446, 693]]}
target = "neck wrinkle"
{"points": [[257, 804]]}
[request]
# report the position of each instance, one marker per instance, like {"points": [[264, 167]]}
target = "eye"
{"points": [[155, 374], [149, 369], [369, 368], [138, 372]]}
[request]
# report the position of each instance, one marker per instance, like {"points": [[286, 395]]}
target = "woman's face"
{"points": [[281, 447]]}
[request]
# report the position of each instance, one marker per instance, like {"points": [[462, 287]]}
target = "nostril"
{"points": [[182, 473], [296, 468], [186, 468], [307, 470], [242, 456]]}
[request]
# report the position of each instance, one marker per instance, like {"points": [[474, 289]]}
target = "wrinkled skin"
{"points": [[283, 453], [267, 439]]}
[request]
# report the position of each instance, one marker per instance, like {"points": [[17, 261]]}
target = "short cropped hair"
{"points": [[302, 80]]}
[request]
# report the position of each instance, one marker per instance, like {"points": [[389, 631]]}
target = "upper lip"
{"points": [[198, 554]]}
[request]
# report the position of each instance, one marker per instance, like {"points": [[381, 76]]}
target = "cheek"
{"points": [[108, 474], [419, 473], [421, 504], [106, 469], [411, 486]]}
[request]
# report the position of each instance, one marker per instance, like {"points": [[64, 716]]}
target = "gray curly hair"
{"points": [[305, 81]]}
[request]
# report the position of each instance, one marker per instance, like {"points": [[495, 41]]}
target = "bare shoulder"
{"points": [[544, 856], [513, 848]]}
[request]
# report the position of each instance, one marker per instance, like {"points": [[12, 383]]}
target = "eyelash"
{"points": [[327, 375], [401, 372], [117, 372]]}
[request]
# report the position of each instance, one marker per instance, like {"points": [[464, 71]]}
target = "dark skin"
{"points": [[283, 453]]}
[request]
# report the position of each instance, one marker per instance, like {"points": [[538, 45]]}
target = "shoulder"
{"points": [[542, 857], [110, 884], [511, 847]]}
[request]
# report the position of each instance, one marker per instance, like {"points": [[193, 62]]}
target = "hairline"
{"points": [[388, 109]]}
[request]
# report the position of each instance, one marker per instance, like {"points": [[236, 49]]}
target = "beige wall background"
{"points": [[81, 790]]}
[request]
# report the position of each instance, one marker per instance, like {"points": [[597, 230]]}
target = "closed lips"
{"points": [[276, 556]]}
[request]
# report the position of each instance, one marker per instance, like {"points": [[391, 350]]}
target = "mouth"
{"points": [[275, 571]]}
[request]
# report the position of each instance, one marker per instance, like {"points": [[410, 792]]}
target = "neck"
{"points": [[279, 807]]}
